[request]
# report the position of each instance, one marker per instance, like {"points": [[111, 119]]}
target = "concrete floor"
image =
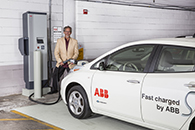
{"points": [[59, 116], [17, 121], [28, 116], [13, 120], [8, 103]]}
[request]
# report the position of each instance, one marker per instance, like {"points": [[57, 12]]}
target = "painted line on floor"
{"points": [[41, 122], [42, 129], [17, 119]]}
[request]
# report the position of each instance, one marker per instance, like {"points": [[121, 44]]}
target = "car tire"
{"points": [[77, 102]]}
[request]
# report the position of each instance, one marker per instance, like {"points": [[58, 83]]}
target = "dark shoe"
{"points": [[52, 92]]}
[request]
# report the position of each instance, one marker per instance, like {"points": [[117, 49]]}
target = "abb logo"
{"points": [[101, 93]]}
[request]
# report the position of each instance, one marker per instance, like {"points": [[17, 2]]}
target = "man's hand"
{"points": [[61, 63]]}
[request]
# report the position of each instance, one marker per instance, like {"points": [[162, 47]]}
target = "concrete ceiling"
{"points": [[181, 3], [190, 3]]}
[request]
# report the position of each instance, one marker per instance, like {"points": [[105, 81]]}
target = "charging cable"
{"points": [[72, 61]]}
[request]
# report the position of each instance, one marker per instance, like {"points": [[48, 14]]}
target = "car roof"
{"points": [[190, 42]]}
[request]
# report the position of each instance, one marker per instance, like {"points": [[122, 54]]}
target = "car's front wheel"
{"points": [[78, 104]]}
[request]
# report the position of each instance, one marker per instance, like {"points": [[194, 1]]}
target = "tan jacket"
{"points": [[61, 54]]}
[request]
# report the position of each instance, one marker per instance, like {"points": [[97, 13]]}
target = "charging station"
{"points": [[34, 39]]}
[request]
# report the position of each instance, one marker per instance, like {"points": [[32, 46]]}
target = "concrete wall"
{"points": [[11, 61], [108, 25], [11, 79]]}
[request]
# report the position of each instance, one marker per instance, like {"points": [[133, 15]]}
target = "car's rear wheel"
{"points": [[78, 104]]}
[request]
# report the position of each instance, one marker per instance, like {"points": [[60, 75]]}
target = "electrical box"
{"points": [[80, 56], [34, 38]]}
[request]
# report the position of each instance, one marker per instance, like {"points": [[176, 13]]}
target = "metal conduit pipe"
{"points": [[49, 46]]}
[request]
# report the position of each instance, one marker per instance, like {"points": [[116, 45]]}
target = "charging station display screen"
{"points": [[40, 41]]}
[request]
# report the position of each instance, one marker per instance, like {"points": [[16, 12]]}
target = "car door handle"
{"points": [[190, 85], [133, 81]]}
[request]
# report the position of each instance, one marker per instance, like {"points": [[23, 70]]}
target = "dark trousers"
{"points": [[56, 77]]}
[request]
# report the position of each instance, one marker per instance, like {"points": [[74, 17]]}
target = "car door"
{"points": [[116, 89], [168, 92]]}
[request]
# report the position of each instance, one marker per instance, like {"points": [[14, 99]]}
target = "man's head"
{"points": [[67, 31]]}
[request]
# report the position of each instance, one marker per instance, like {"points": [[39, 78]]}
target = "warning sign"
{"points": [[57, 33]]}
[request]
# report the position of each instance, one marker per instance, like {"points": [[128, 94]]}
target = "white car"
{"points": [[149, 83]]}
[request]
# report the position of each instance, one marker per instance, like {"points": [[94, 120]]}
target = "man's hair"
{"points": [[68, 27]]}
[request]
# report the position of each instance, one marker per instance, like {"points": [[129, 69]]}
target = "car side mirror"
{"points": [[101, 66]]}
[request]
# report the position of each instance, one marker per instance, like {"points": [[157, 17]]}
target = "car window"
{"points": [[131, 59], [176, 59]]}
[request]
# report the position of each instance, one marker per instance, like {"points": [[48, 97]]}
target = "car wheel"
{"points": [[78, 104]]}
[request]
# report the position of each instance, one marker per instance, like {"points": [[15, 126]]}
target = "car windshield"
{"points": [[132, 59], [137, 53]]}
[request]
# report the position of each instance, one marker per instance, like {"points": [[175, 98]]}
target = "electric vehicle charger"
{"points": [[59, 96]]}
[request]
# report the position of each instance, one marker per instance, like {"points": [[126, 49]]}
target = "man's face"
{"points": [[67, 32]]}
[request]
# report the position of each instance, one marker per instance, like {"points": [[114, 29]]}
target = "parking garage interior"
{"points": [[99, 26]]}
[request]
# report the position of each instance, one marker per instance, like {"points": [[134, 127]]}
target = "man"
{"points": [[66, 48]]}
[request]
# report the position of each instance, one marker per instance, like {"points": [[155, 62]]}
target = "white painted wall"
{"points": [[107, 25], [11, 25], [69, 15], [11, 61]]}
